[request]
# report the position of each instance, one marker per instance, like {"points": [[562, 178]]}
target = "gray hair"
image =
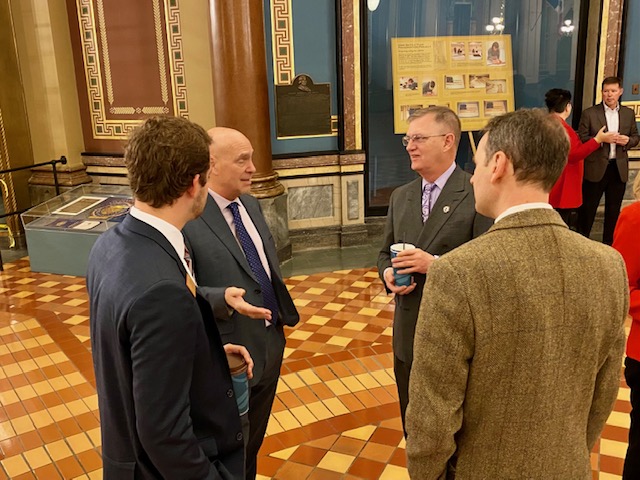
{"points": [[442, 115]]}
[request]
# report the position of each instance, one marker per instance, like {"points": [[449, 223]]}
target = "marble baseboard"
{"points": [[330, 237], [315, 238], [353, 235]]}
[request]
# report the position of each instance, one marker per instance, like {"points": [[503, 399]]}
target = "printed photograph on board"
{"points": [[454, 82], [468, 109], [495, 53]]}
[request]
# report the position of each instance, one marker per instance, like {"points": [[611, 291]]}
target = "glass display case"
{"points": [[61, 231]]}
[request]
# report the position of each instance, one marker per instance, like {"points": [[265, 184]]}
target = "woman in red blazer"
{"points": [[626, 239], [566, 194]]}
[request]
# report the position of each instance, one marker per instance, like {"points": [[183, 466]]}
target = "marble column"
{"points": [[613, 31], [240, 82], [241, 99]]}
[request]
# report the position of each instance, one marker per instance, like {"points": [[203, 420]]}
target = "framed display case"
{"points": [[61, 231]]}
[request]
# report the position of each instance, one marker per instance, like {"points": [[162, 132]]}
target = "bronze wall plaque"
{"points": [[303, 108]]}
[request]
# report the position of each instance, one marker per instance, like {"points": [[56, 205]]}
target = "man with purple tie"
{"points": [[435, 212]]}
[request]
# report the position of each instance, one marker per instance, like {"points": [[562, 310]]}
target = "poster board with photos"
{"points": [[472, 75]]}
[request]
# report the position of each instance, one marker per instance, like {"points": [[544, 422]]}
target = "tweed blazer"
{"points": [[517, 354], [452, 222], [592, 120]]}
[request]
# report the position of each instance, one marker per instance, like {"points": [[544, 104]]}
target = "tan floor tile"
{"points": [[336, 462], [15, 466], [37, 457], [58, 450]]}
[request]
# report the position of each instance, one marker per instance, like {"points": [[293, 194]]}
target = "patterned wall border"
{"points": [[635, 106], [108, 129], [282, 42], [11, 205]]}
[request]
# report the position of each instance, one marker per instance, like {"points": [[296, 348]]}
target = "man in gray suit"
{"points": [[606, 170], [520, 335], [231, 244], [435, 213]]}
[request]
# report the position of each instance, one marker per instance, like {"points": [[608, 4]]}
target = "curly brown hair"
{"points": [[163, 156]]}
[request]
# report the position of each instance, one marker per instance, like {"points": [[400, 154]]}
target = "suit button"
{"points": [[230, 393], [258, 291], [239, 437]]}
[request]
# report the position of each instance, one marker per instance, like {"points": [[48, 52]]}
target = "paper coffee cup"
{"points": [[401, 279]]}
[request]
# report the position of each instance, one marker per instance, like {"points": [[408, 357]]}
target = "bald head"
{"points": [[231, 162]]}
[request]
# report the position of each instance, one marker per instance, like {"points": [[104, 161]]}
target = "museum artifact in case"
{"points": [[61, 231]]}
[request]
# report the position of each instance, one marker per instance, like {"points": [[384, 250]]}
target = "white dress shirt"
{"points": [[613, 125]]}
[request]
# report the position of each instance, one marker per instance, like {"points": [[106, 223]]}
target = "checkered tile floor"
{"points": [[335, 416]]}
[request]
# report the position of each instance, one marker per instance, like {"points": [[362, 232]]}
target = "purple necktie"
{"points": [[426, 201]]}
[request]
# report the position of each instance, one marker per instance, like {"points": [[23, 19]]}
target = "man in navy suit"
{"points": [[167, 406], [231, 245]]}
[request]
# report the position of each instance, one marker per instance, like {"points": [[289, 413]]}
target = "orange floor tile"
{"points": [[335, 416]]}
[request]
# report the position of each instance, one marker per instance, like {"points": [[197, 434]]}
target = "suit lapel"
{"points": [[602, 117], [213, 218], [412, 214], [452, 194]]}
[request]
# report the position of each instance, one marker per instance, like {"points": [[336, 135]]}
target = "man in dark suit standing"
{"points": [[606, 170], [231, 245], [165, 395], [435, 213]]}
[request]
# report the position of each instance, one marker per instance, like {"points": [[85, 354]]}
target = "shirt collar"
{"points": [[606, 107], [221, 201], [442, 179], [521, 208], [171, 233]]}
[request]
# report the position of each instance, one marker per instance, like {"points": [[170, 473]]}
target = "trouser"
{"points": [[613, 189], [261, 396], [632, 461], [402, 371], [570, 217]]}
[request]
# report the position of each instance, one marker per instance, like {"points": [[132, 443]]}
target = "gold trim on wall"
{"points": [[284, 69], [108, 129]]}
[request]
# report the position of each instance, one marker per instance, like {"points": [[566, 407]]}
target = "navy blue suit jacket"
{"points": [[166, 402]]}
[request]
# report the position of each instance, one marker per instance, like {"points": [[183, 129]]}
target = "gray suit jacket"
{"points": [[219, 262], [518, 352], [592, 120], [442, 232]]}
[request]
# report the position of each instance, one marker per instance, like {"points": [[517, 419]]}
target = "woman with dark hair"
{"points": [[626, 239], [566, 194]]}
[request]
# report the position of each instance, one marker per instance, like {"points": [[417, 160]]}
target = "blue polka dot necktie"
{"points": [[251, 253]]}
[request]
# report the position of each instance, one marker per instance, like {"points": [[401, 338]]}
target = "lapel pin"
{"points": [[446, 209]]}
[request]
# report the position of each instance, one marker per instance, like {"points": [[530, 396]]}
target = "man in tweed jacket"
{"points": [[520, 334]]}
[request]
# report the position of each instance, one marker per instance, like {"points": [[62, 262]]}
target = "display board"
{"points": [[472, 75]]}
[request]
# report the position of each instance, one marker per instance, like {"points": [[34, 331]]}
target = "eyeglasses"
{"points": [[419, 138]]}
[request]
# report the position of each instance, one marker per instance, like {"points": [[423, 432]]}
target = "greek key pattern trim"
{"points": [[109, 129], [176, 58], [282, 42], [635, 106]]}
